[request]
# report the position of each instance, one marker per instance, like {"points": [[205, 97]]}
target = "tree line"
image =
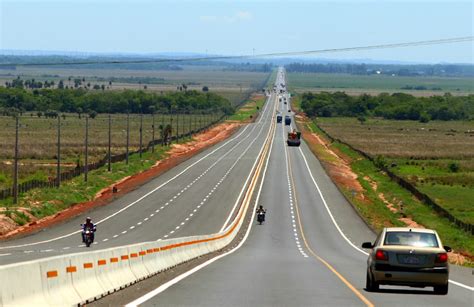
{"points": [[398, 106], [81, 100], [452, 70]]}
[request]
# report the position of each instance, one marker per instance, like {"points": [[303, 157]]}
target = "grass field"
{"points": [[38, 139], [373, 84], [47, 201], [249, 109], [437, 157], [375, 211]]}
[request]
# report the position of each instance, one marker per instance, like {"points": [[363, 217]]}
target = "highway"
{"points": [[307, 253], [196, 197]]}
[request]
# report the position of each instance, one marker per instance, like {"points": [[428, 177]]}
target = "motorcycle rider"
{"points": [[261, 210], [88, 225]]}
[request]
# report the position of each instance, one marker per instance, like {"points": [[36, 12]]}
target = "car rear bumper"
{"points": [[413, 277]]}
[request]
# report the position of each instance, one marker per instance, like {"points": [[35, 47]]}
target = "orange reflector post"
{"points": [[134, 255], [51, 274], [142, 253], [88, 265], [124, 257], [101, 262], [156, 250], [115, 259], [71, 269], [149, 251]]}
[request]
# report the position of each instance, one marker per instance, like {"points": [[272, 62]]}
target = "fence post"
{"points": [[86, 166], [153, 132], [58, 167], [109, 155], [15, 168], [141, 134], [128, 137]]}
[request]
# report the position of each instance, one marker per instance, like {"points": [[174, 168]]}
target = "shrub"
{"points": [[453, 167]]}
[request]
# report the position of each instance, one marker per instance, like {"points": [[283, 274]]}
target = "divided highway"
{"points": [[196, 197], [305, 254], [299, 257]]}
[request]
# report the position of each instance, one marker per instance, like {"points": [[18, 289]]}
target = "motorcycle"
{"points": [[88, 236], [260, 217]]}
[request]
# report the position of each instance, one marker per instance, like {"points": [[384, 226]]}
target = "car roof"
{"points": [[408, 229]]}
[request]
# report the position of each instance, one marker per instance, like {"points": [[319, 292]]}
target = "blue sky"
{"points": [[236, 27]]}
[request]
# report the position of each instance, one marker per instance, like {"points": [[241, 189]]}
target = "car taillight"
{"points": [[381, 255], [441, 257]]}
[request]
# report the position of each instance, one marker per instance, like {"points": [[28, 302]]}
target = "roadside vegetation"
{"points": [[38, 203], [430, 156], [376, 84], [249, 110], [380, 201], [38, 140], [437, 158], [397, 106]]}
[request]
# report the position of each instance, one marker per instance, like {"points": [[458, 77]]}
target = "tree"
{"points": [[103, 87], [92, 114], [205, 89], [79, 111]]}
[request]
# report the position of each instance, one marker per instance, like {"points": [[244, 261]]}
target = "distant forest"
{"points": [[51, 101], [390, 106], [442, 70], [176, 65]]}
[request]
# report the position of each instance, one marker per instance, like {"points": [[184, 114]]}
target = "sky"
{"points": [[233, 27]]}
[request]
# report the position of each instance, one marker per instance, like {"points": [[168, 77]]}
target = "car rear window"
{"points": [[412, 238]]}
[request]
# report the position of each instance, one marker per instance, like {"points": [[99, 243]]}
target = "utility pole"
{"points": [[190, 118], [177, 125], [86, 162], [58, 167], [141, 134], [153, 132], [109, 154], [128, 137], [15, 167]]}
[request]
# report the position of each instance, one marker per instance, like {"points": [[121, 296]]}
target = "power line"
{"points": [[264, 55]]}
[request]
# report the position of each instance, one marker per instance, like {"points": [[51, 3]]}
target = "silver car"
{"points": [[408, 257]]}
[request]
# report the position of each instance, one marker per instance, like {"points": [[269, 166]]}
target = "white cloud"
{"points": [[236, 17]]}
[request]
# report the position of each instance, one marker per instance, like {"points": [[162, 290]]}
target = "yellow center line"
{"points": [[316, 256]]}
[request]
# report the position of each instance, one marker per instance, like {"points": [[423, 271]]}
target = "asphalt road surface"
{"points": [[298, 257], [305, 254]]}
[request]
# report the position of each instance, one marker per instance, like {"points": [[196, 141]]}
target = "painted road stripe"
{"points": [[332, 269], [165, 286]]}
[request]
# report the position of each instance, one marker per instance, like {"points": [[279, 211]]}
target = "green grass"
{"points": [[301, 81], [421, 153], [249, 109], [48, 201], [379, 216]]}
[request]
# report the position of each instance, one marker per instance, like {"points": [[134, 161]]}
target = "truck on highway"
{"points": [[294, 138], [287, 120]]}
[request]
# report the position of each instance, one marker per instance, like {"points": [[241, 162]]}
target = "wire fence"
{"points": [[181, 125], [410, 187]]}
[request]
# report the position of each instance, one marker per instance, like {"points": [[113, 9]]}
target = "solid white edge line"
{"points": [[340, 231], [177, 279], [227, 222], [132, 203]]}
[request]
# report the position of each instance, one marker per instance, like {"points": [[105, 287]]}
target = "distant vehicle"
{"points": [[294, 138], [279, 118], [408, 257], [287, 120]]}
